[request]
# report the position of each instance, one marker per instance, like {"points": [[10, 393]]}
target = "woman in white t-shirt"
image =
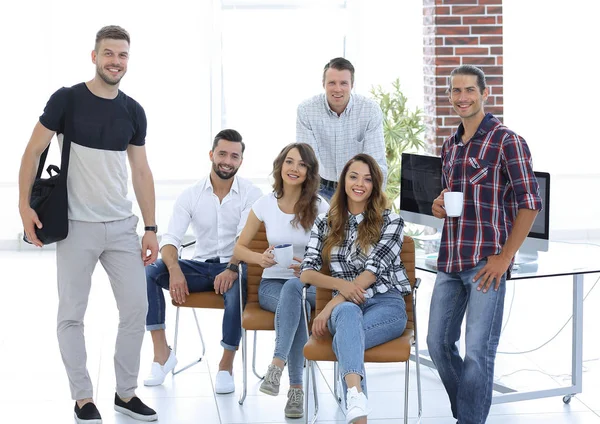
{"points": [[288, 214]]}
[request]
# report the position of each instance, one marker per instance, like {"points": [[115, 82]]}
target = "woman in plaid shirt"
{"points": [[359, 239]]}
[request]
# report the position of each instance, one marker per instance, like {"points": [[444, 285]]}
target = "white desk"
{"points": [[561, 259]]}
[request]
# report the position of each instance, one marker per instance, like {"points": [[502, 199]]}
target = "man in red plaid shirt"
{"points": [[491, 166]]}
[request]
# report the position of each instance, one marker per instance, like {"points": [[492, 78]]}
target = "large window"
{"points": [[272, 59], [198, 67]]}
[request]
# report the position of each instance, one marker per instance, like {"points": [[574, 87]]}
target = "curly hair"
{"points": [[305, 209], [369, 230]]}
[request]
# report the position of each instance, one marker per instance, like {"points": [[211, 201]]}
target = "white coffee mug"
{"points": [[453, 203], [284, 254]]}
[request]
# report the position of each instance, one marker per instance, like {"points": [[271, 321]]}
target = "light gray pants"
{"points": [[116, 245]]}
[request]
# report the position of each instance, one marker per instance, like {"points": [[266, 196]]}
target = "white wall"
{"points": [[551, 97], [550, 89]]}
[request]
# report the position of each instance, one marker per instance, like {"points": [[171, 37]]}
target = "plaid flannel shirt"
{"points": [[348, 261], [495, 172]]}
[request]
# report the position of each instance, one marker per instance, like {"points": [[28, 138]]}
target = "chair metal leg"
{"points": [[307, 388], [244, 368], [191, 364], [417, 357], [315, 394], [336, 383], [406, 386], [418, 368], [310, 368], [244, 340], [310, 376], [260, 377]]}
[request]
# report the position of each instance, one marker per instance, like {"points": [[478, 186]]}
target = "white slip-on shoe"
{"points": [[224, 383], [356, 405], [158, 372]]}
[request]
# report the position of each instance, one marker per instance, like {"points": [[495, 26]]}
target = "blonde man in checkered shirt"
{"points": [[339, 124]]}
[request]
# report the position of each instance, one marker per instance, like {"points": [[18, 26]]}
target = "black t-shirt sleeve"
{"points": [[53, 116], [139, 138]]}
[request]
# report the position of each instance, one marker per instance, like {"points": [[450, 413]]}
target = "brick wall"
{"points": [[459, 32]]}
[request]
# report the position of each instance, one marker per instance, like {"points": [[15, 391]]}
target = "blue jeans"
{"points": [[326, 192], [285, 299], [356, 328], [468, 381], [200, 277]]}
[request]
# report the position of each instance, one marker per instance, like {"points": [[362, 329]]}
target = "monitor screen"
{"points": [[421, 183], [541, 225]]}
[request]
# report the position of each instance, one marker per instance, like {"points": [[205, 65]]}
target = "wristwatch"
{"points": [[232, 267], [153, 228]]}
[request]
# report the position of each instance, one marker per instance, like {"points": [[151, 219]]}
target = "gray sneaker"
{"points": [[270, 384], [294, 408]]}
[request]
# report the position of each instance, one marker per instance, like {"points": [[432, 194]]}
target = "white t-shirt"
{"points": [[280, 231]]}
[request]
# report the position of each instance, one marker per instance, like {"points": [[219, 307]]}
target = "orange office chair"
{"points": [[397, 350], [209, 300]]}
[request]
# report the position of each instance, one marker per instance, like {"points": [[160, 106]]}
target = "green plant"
{"points": [[403, 132]]}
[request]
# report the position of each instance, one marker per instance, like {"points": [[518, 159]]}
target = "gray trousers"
{"points": [[116, 245]]}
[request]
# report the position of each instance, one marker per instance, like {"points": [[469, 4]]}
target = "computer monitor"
{"points": [[421, 183], [537, 239]]}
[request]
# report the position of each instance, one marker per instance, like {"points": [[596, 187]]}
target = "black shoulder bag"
{"points": [[49, 197]]}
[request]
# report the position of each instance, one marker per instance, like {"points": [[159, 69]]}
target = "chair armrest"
{"points": [[414, 305], [183, 246], [417, 283], [304, 308], [188, 244]]}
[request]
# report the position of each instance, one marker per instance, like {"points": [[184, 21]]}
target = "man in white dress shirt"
{"points": [[217, 207], [339, 125]]}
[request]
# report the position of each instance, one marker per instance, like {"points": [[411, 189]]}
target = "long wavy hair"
{"points": [[305, 209], [369, 230]]}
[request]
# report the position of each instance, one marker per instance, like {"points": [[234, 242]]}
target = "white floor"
{"points": [[34, 387]]}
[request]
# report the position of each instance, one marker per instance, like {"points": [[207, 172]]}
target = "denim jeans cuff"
{"points": [[228, 347], [155, 327], [281, 357], [359, 372]]}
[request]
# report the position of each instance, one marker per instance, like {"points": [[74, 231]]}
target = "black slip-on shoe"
{"points": [[87, 414], [135, 408]]}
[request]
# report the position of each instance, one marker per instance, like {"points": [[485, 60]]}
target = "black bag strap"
{"points": [[67, 136]]}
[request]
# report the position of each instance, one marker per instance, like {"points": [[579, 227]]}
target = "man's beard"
{"points": [[224, 175], [107, 79]]}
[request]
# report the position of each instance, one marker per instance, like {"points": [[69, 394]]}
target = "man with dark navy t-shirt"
{"points": [[108, 127]]}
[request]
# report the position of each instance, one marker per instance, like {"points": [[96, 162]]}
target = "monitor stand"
{"points": [[529, 251]]}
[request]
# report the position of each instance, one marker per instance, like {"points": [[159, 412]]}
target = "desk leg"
{"points": [[576, 357], [577, 351]]}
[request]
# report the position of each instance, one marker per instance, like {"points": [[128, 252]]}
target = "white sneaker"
{"points": [[224, 383], [158, 372], [356, 405]]}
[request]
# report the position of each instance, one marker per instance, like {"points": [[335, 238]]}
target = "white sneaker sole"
{"points": [[268, 392], [355, 418], [154, 382], [290, 415], [224, 390], [135, 416], [80, 421]]}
